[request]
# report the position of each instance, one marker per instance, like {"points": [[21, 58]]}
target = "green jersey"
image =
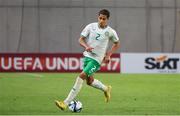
{"points": [[98, 38]]}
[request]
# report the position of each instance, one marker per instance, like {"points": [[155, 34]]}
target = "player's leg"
{"points": [[99, 85], [96, 83], [75, 90], [73, 93], [92, 67]]}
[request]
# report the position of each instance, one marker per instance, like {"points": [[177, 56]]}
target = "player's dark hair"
{"points": [[105, 12]]}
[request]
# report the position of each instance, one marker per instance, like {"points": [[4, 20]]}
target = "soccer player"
{"points": [[95, 39]]}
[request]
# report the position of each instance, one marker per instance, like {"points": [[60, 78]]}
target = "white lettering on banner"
{"points": [[114, 61], [48, 63], [81, 63], [50, 66], [62, 63], [37, 64], [18, 63], [27, 62], [73, 63], [9, 63]]}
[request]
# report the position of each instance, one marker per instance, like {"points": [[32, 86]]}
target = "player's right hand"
{"points": [[89, 49]]}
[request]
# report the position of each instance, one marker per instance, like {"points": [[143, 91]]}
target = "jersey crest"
{"points": [[107, 34]]}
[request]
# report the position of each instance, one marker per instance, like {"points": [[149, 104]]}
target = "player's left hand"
{"points": [[106, 59]]}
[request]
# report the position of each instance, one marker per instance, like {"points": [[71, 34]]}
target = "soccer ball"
{"points": [[75, 106]]}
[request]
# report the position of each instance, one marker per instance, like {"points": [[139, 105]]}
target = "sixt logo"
{"points": [[161, 62]]}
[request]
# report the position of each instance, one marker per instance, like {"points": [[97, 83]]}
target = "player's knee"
{"points": [[83, 75], [89, 80]]}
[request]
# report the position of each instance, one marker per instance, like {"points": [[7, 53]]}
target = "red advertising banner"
{"points": [[50, 62]]}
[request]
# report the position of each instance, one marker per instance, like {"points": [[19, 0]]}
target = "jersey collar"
{"points": [[101, 27]]}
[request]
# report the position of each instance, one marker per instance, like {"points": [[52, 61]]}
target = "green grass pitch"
{"points": [[34, 93]]}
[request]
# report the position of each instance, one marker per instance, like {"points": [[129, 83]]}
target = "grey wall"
{"points": [[55, 25]]}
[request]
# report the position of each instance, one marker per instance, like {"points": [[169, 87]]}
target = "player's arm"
{"points": [[116, 44], [113, 49], [83, 43]]}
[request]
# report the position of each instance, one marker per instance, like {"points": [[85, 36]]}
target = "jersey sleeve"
{"points": [[114, 36], [85, 32]]}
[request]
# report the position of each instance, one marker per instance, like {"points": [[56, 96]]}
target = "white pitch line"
{"points": [[33, 74]]}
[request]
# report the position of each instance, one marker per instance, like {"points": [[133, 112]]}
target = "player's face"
{"points": [[102, 20]]}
